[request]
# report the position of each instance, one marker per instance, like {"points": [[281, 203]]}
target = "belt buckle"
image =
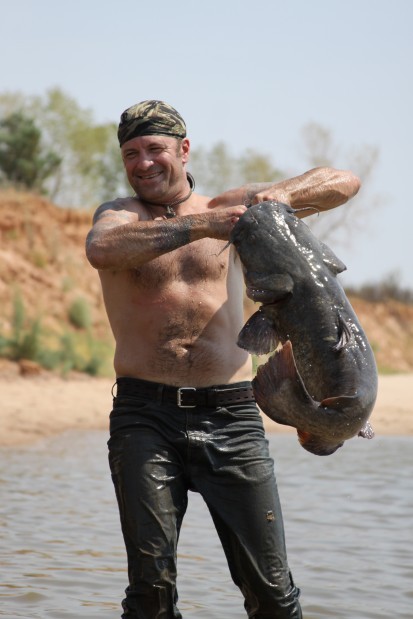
{"points": [[181, 391]]}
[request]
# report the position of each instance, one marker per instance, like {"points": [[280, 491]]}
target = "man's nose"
{"points": [[144, 163]]}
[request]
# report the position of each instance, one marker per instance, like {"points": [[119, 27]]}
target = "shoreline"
{"points": [[39, 407]]}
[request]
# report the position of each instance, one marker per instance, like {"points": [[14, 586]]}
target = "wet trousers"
{"points": [[157, 453]]}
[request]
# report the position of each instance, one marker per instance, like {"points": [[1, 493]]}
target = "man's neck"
{"points": [[170, 207]]}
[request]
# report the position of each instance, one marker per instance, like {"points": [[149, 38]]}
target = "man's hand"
{"points": [[275, 192], [222, 220]]}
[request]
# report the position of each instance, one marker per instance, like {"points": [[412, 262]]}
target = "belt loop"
{"points": [[211, 397], [159, 393]]}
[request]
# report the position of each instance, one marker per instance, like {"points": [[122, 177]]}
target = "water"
{"points": [[348, 520]]}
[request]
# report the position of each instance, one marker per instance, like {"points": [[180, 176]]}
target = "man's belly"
{"points": [[182, 332], [179, 362]]}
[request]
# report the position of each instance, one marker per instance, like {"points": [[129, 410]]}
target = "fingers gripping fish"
{"points": [[322, 379]]}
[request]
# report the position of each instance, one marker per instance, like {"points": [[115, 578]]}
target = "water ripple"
{"points": [[348, 521]]}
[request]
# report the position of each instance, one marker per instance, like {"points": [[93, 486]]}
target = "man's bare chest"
{"points": [[199, 261]]}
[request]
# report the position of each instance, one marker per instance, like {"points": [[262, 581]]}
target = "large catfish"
{"points": [[323, 378]]}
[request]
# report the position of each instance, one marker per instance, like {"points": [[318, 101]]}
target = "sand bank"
{"points": [[42, 406]]}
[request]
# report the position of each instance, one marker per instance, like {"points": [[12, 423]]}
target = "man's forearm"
{"points": [[128, 246], [322, 188]]}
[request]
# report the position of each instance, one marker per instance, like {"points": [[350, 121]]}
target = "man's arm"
{"points": [[120, 240], [322, 188]]}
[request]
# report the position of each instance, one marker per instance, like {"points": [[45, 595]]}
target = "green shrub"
{"points": [[79, 314], [73, 351], [24, 341], [67, 283]]}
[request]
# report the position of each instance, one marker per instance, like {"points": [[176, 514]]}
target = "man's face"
{"points": [[154, 166]]}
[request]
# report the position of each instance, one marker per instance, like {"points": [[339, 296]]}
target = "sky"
{"points": [[251, 74]]}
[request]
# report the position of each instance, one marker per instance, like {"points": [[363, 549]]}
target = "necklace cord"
{"points": [[170, 212]]}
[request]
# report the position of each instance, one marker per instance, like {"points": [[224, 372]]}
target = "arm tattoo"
{"points": [[177, 234]]}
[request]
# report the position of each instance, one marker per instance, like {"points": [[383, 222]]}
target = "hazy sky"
{"points": [[252, 74]]}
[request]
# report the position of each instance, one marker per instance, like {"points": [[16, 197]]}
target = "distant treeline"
{"points": [[388, 289], [51, 144]]}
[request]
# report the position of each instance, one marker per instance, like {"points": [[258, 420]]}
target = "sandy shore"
{"points": [[42, 406]]}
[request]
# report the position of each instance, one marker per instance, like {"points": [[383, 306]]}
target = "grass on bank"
{"points": [[74, 349]]}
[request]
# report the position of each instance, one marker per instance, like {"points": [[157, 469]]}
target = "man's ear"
{"points": [[185, 148]]}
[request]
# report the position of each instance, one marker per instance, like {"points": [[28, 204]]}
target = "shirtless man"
{"points": [[184, 416]]}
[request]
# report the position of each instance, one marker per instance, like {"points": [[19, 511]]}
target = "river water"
{"points": [[348, 520]]}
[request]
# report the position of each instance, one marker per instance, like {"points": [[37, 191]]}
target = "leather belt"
{"points": [[185, 397]]}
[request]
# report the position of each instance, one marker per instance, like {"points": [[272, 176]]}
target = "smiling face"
{"points": [[155, 167]]}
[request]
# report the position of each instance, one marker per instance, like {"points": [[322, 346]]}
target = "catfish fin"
{"points": [[258, 335], [367, 431], [346, 335], [332, 262]]}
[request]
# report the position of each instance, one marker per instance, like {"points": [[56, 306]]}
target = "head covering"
{"points": [[150, 118]]}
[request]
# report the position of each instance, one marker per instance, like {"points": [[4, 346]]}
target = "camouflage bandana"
{"points": [[150, 118]]}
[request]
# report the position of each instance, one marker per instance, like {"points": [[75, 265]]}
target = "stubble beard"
{"points": [[162, 192]]}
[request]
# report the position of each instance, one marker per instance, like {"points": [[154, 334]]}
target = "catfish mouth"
{"points": [[267, 297]]}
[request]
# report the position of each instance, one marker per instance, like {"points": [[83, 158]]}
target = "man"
{"points": [[184, 416]]}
